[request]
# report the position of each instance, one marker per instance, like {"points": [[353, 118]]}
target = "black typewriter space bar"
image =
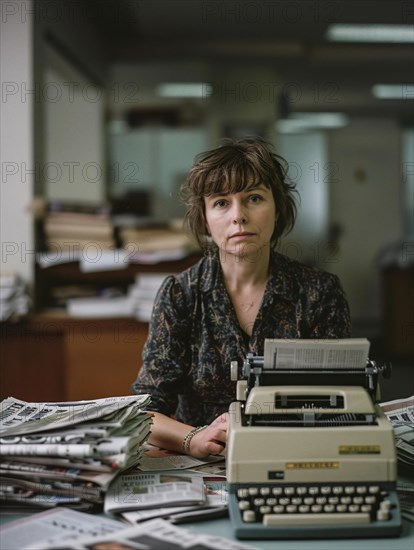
{"points": [[270, 520]]}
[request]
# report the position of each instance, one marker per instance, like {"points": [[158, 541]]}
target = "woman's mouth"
{"points": [[240, 235]]}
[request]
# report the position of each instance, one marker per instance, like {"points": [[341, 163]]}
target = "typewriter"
{"points": [[309, 453]]}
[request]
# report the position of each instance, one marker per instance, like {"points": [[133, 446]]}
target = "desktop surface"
{"points": [[223, 528]]}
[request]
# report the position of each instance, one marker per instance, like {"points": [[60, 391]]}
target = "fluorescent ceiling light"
{"points": [[302, 122], [393, 91], [403, 34], [200, 90]]}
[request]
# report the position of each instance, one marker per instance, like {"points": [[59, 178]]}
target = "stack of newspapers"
{"points": [[400, 413], [68, 453]]}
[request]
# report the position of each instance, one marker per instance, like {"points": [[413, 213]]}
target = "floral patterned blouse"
{"points": [[195, 334]]}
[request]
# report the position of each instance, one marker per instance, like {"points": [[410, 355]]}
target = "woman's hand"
{"points": [[211, 440]]}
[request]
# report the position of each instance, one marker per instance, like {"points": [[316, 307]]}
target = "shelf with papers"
{"points": [[71, 274]]}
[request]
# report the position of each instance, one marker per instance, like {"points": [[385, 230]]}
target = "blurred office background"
{"points": [[109, 102]]}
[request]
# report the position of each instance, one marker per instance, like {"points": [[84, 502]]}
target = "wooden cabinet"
{"points": [[103, 358], [50, 358], [32, 362]]}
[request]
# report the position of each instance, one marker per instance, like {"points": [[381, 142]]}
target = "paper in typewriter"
{"points": [[349, 353]]}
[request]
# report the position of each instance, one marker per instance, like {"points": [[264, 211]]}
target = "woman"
{"points": [[239, 203]]}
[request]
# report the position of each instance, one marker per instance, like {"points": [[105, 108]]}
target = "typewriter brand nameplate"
{"points": [[359, 449], [312, 465]]}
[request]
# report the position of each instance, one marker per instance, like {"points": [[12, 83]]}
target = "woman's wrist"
{"points": [[185, 445]]}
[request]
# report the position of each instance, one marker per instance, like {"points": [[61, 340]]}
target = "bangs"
{"points": [[233, 177]]}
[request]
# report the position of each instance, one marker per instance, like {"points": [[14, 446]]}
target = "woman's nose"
{"points": [[239, 214]]}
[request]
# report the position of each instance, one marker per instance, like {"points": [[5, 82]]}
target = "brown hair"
{"points": [[232, 167]]}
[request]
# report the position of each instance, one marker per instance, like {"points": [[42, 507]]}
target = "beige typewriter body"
{"points": [[309, 450]]}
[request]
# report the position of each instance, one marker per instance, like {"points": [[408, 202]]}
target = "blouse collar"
{"points": [[279, 281]]}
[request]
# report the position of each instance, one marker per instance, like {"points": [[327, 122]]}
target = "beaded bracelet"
{"points": [[187, 439]]}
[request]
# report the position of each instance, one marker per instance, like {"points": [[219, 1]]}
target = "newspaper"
{"points": [[151, 535], [99, 448], [65, 472], [216, 505], [400, 413], [84, 491], [55, 525], [21, 417], [43, 446], [65, 463], [105, 431], [348, 353], [134, 491], [405, 491], [162, 459]]}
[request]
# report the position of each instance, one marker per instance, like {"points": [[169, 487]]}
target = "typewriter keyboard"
{"points": [[318, 509]]}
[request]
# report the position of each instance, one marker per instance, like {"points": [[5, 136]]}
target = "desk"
{"points": [[223, 528]]}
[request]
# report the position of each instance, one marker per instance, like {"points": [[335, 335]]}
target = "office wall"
{"points": [[28, 29], [310, 170], [75, 166], [16, 120], [366, 206], [154, 160]]}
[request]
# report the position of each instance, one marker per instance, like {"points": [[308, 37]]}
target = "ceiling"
{"points": [[287, 35]]}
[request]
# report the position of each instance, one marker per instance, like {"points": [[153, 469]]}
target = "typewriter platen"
{"points": [[309, 453]]}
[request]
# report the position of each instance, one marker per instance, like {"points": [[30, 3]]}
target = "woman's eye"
{"points": [[220, 203], [255, 198]]}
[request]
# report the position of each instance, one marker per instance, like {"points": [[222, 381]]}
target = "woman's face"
{"points": [[241, 223]]}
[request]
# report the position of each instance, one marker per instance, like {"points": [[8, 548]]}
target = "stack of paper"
{"points": [[144, 292], [69, 227], [170, 485], [400, 413], [14, 300], [143, 240], [68, 453], [138, 302], [100, 306], [138, 490]]}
